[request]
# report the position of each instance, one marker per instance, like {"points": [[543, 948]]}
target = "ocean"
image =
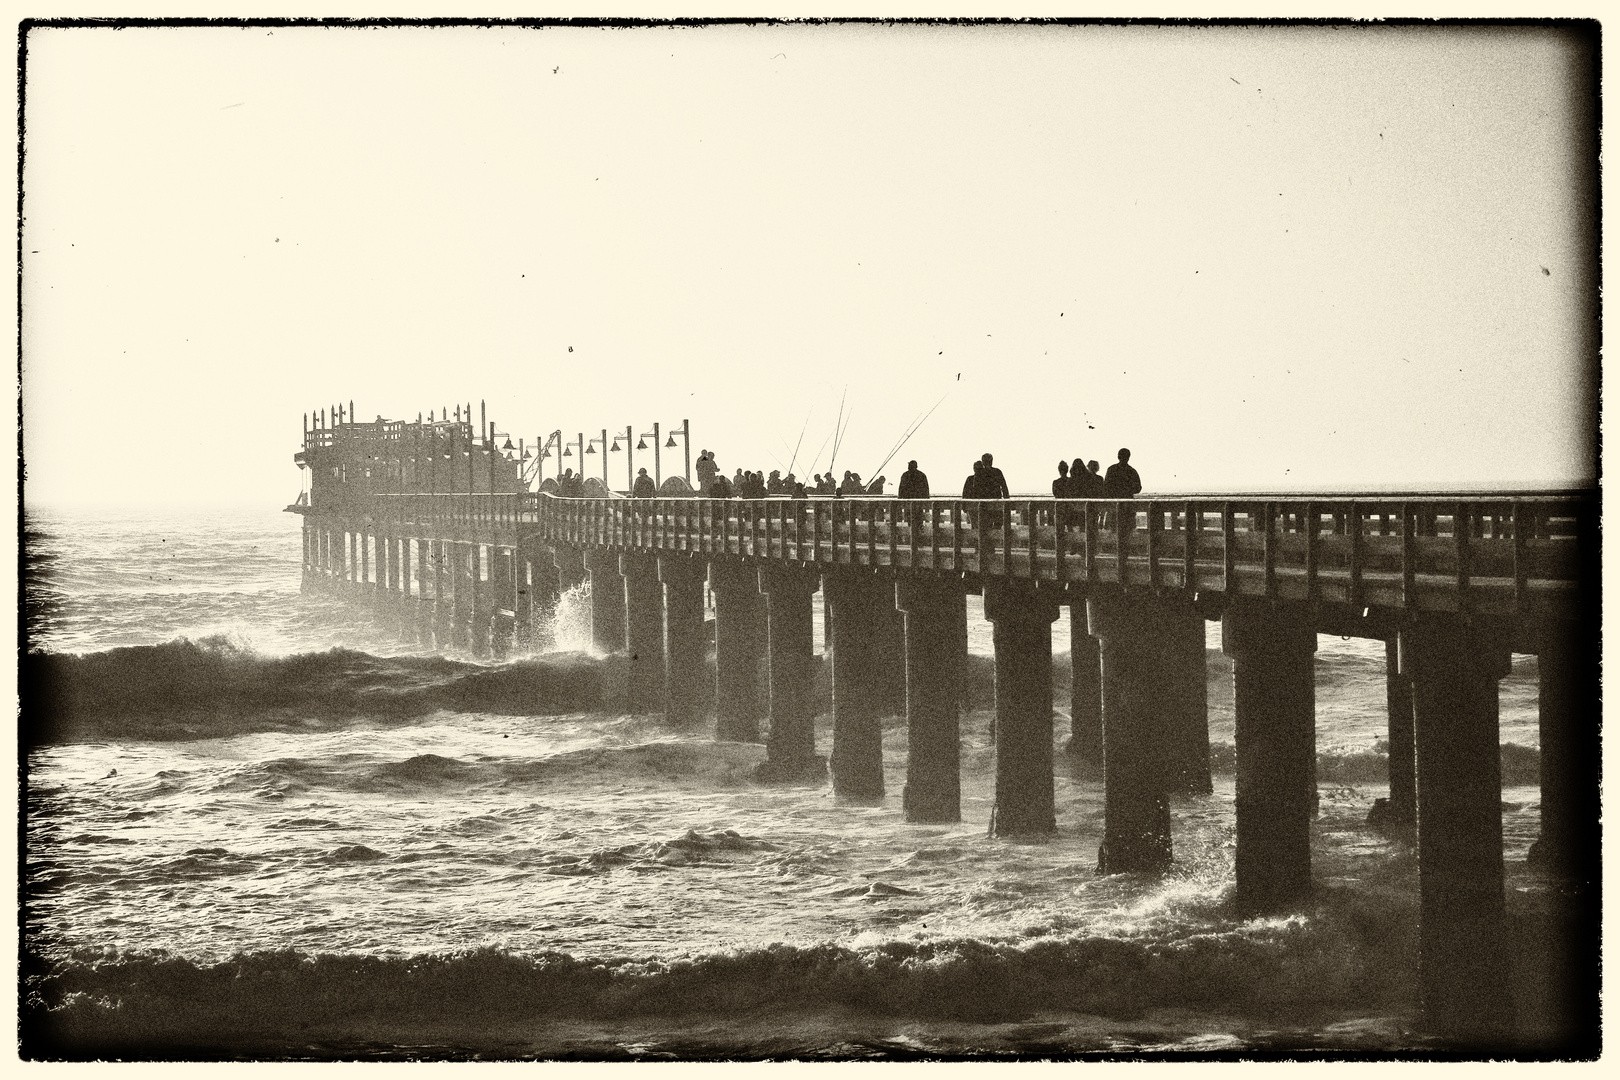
{"points": [[257, 826]]}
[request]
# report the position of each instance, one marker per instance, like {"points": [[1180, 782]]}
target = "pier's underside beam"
{"points": [[607, 600], [683, 621], [738, 649], [790, 749], [933, 791], [1273, 651], [644, 632], [1463, 972], [1085, 693], [1022, 616], [857, 601], [1132, 629]]}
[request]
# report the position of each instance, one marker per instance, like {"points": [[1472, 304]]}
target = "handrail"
{"points": [[1485, 554]]}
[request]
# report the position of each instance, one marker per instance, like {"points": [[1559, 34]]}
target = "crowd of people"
{"points": [[1079, 480]]}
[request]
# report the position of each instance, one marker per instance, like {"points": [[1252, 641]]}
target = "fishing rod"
{"points": [[817, 458], [801, 439], [914, 428], [836, 424], [838, 442]]}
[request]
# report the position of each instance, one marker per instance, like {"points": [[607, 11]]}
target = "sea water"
{"points": [[259, 825]]}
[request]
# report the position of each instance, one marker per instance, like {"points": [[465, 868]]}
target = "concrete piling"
{"points": [[738, 649], [644, 632], [855, 598], [1273, 653], [682, 577], [933, 791], [1400, 813], [1085, 693], [607, 600], [1187, 697], [1131, 629], [790, 748], [1022, 616], [1462, 966]]}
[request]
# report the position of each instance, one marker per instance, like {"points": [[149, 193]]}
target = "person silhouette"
{"points": [[644, 487], [1084, 482], [913, 483], [995, 483], [1122, 480]]}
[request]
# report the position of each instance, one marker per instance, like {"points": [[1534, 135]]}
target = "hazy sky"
{"points": [[1256, 256]]}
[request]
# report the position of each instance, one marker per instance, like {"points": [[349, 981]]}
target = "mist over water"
{"points": [[256, 821]]}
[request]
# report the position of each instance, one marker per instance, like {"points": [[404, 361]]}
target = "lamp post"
{"points": [[590, 448], [629, 459], [686, 440], [545, 452]]}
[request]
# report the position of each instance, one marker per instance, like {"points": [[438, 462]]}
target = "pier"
{"points": [[430, 524]]}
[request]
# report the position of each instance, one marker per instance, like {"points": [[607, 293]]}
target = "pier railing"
{"points": [[1487, 555]]}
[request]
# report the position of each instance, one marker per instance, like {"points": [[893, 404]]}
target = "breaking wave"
{"points": [[185, 689]]}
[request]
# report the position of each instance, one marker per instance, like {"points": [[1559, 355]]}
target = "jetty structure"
{"points": [[433, 525]]}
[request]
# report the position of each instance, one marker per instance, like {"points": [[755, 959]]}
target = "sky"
{"points": [[1263, 258]]}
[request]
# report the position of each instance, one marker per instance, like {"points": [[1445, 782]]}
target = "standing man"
{"points": [[1122, 480], [913, 485], [913, 482], [995, 485]]}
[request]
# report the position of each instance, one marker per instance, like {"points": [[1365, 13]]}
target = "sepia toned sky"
{"points": [[1261, 257]]}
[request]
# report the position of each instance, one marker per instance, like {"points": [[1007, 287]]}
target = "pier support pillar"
{"points": [[1462, 966], [889, 656], [644, 632], [1570, 846], [351, 566], [857, 601], [1022, 617], [790, 749], [738, 649], [1132, 629], [1085, 693], [933, 791], [1398, 816], [607, 600], [461, 595], [523, 601], [570, 564], [683, 625], [1273, 651], [1571, 752], [388, 580], [424, 594], [365, 592], [478, 576], [502, 601], [1188, 697], [444, 615]]}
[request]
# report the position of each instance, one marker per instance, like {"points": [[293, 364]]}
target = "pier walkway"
{"points": [[1453, 584]]}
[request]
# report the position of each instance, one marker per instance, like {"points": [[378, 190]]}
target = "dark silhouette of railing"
{"points": [[1493, 555]]}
